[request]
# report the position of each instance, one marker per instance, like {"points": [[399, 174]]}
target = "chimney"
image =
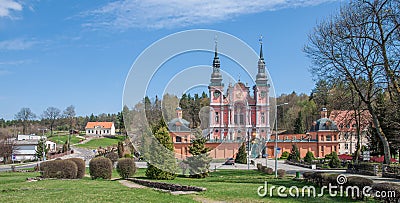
{"points": [[324, 113], [178, 112]]}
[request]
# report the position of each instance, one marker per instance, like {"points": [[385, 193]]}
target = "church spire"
{"points": [[261, 78], [261, 49], [216, 77], [216, 63]]}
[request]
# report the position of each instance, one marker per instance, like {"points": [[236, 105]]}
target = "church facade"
{"points": [[242, 112]]}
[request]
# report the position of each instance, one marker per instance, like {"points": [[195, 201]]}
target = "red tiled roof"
{"points": [[102, 124]]}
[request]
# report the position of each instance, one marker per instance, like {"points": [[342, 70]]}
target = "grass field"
{"points": [[60, 139], [103, 142], [223, 185]]}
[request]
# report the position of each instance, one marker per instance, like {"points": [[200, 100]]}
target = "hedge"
{"points": [[60, 169], [100, 167], [126, 167], [80, 163]]}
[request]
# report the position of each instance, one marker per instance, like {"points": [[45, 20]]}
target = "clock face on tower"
{"points": [[263, 94], [217, 94]]}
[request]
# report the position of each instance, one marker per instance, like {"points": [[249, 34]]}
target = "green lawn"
{"points": [[223, 185], [103, 142], [60, 139]]}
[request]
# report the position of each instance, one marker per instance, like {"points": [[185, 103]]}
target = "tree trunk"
{"points": [[381, 134]]}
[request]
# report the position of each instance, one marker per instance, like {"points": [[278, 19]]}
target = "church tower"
{"points": [[261, 94], [216, 90]]}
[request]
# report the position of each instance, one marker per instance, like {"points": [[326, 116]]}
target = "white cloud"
{"points": [[8, 6], [156, 14], [17, 44]]}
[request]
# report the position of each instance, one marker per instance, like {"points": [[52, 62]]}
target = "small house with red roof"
{"points": [[100, 128]]}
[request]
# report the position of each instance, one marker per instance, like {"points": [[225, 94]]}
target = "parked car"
{"points": [[230, 161]]}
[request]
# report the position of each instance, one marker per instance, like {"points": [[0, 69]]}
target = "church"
{"points": [[239, 114]]}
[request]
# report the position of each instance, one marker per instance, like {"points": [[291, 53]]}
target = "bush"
{"points": [[259, 166], [128, 156], [126, 167], [153, 172], [308, 176], [294, 154], [113, 157], [81, 166], [334, 162], [387, 187], [100, 167], [268, 170], [60, 169], [309, 157], [285, 155], [360, 182], [281, 173], [241, 155]]}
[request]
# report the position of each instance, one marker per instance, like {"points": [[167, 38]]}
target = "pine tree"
{"points": [[162, 163], [40, 147], [298, 124], [309, 157], [241, 155], [294, 154], [199, 162]]}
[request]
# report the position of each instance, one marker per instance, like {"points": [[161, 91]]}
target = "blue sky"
{"points": [[71, 52]]}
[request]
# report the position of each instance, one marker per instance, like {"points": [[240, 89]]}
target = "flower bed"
{"points": [[167, 186]]}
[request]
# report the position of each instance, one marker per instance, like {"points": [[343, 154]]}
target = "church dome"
{"points": [[324, 124]]}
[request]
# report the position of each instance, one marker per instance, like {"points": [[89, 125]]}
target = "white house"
{"points": [[100, 128], [25, 150], [26, 146]]}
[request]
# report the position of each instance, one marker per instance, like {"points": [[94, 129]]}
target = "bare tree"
{"points": [[25, 115], [360, 46], [51, 114], [69, 113], [7, 145]]}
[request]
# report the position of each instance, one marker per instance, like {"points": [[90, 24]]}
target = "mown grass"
{"points": [[60, 139], [223, 185], [101, 142]]}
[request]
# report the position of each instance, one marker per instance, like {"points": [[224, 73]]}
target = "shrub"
{"points": [[308, 176], [126, 167], [294, 154], [259, 166], [387, 187], [268, 170], [60, 169], [318, 178], [334, 162], [285, 155], [80, 163], [330, 179], [281, 173], [309, 157], [113, 157], [360, 182], [241, 155], [100, 167], [153, 172], [128, 156]]}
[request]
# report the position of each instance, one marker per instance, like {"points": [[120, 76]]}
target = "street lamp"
{"points": [[276, 138]]}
